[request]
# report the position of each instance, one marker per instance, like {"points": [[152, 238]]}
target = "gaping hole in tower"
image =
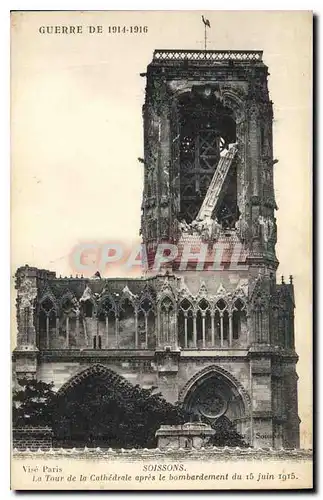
{"points": [[208, 150], [207, 128]]}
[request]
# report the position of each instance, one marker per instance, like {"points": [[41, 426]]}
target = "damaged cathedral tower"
{"points": [[209, 190], [215, 331]]}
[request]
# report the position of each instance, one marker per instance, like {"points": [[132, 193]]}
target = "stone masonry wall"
{"points": [[34, 438]]}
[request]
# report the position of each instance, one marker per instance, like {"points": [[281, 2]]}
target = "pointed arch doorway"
{"points": [[98, 407], [91, 409], [216, 396]]}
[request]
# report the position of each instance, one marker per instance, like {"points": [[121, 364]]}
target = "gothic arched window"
{"points": [[185, 324], [167, 320], [146, 324], [222, 308], [47, 323], [67, 330], [127, 325], [107, 324], [203, 324], [238, 317]]}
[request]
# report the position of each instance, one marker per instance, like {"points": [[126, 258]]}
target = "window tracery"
{"points": [[146, 323], [129, 321], [107, 324], [47, 322], [210, 322], [167, 310], [68, 327]]}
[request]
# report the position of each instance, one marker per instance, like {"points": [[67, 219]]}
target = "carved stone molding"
{"points": [[95, 369], [216, 370]]}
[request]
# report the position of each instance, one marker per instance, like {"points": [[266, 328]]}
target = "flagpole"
{"points": [[206, 23], [205, 37]]}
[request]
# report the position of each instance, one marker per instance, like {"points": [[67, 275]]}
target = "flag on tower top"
{"points": [[206, 22]]}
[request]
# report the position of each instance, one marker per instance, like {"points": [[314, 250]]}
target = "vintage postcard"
{"points": [[161, 250]]}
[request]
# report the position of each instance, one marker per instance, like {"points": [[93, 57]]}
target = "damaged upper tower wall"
{"points": [[197, 103]]}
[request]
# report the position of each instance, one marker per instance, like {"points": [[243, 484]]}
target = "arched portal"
{"points": [[95, 370], [98, 407], [214, 394], [91, 408]]}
